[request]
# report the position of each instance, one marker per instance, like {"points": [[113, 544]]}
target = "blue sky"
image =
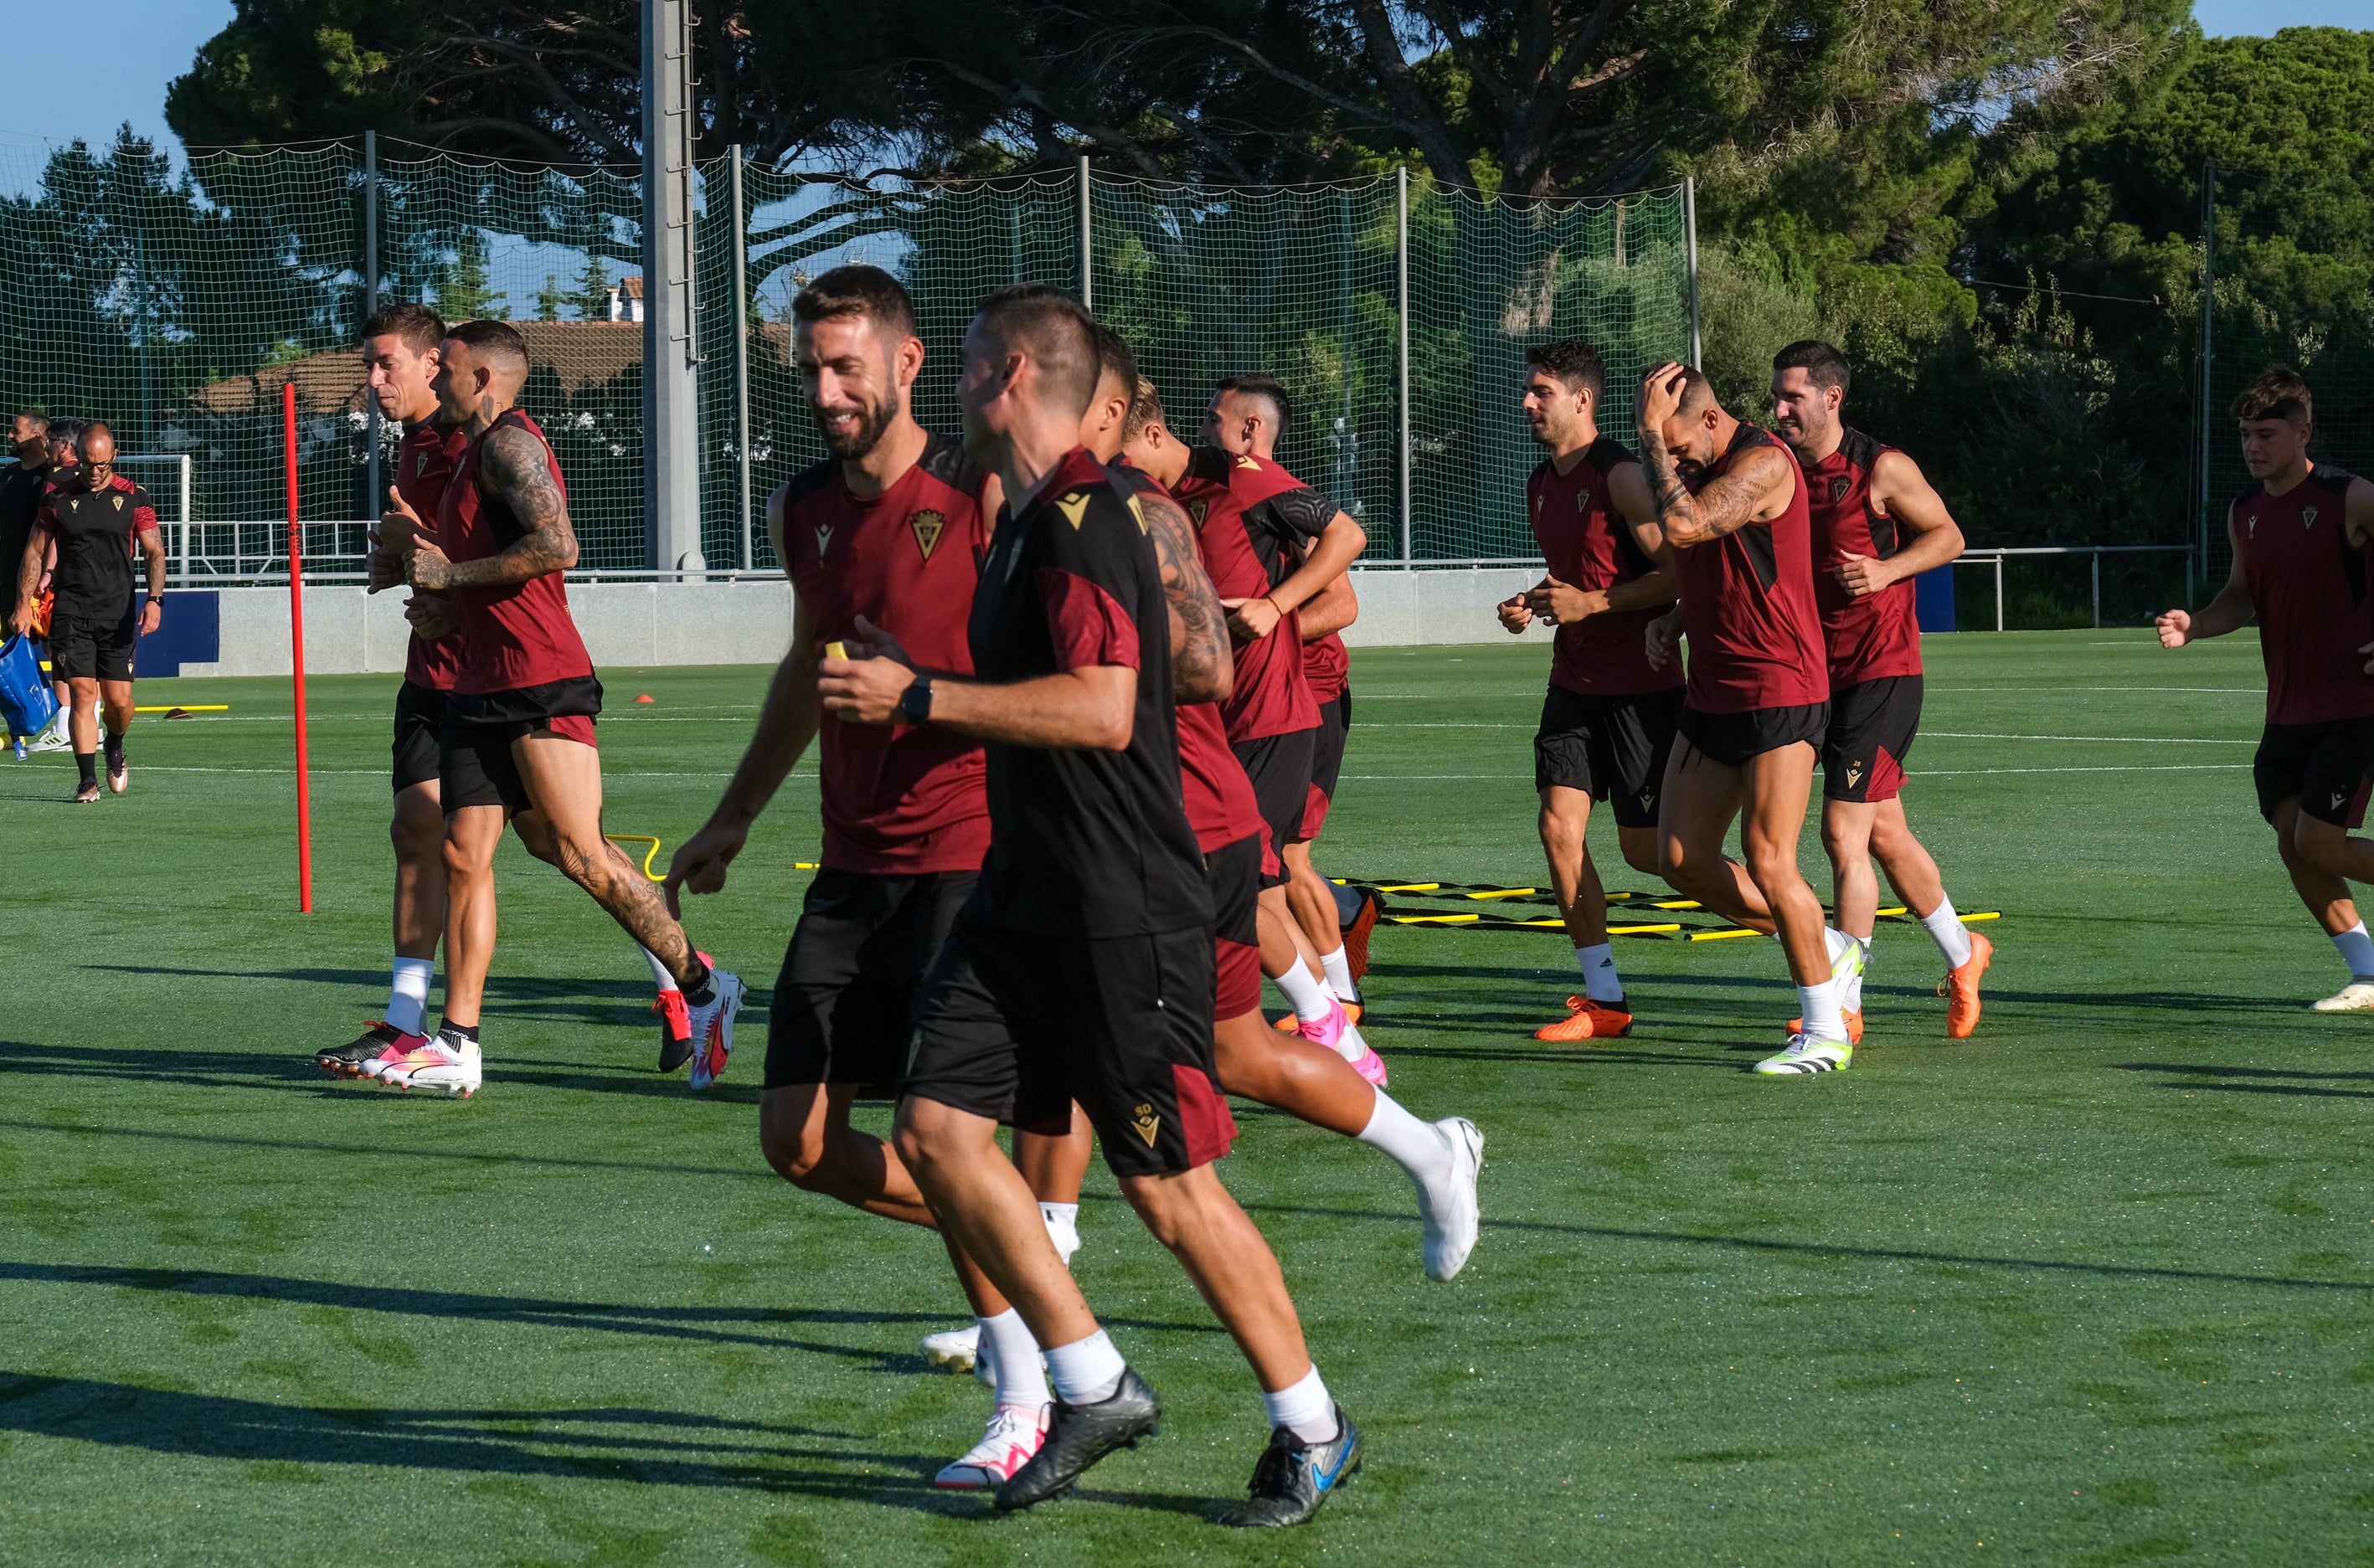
{"points": [[149, 43]]}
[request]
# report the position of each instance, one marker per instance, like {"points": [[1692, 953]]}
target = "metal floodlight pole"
{"points": [[671, 353], [373, 502], [1087, 267], [296, 648], [186, 523], [741, 353], [1690, 248], [1401, 256]]}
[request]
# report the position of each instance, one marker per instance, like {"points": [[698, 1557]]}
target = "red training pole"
{"points": [[296, 649]]}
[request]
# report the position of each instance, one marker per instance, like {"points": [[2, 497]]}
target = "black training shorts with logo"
{"points": [[92, 648], [1611, 748], [475, 764], [845, 1002], [1732, 739], [1016, 1025], [2324, 766], [1279, 767], [1871, 726], [419, 719]]}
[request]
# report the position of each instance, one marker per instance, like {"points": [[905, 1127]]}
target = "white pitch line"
{"points": [[2043, 686], [1915, 775], [2131, 740]]}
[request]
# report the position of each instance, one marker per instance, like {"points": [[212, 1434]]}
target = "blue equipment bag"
{"points": [[25, 697]]}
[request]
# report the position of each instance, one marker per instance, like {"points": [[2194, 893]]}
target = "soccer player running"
{"points": [[2300, 537], [1608, 721], [517, 742], [1082, 967], [1307, 544], [1295, 1074], [1877, 525], [1732, 502], [97, 519], [22, 486]]}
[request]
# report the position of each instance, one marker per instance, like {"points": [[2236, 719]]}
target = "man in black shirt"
{"points": [[21, 485], [97, 517], [1082, 969]]}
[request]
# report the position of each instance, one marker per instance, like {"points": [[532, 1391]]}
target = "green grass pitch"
{"points": [[2095, 1287]]}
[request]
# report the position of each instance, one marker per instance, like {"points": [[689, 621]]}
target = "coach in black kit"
{"points": [[1082, 967]]}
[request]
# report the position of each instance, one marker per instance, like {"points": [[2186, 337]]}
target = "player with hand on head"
{"points": [[1732, 502], [1607, 724], [1877, 525], [23, 485], [1082, 969], [98, 521], [516, 745], [2300, 536]]}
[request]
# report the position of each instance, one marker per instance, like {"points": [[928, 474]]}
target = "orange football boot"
{"points": [[1960, 989], [1356, 939], [1853, 1015], [1289, 1024], [1586, 1020]]}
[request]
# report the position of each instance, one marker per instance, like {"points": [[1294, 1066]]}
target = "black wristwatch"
{"points": [[915, 702]]}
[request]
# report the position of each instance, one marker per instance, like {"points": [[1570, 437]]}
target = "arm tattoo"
{"points": [[513, 470], [1726, 504], [1199, 627], [29, 574]]}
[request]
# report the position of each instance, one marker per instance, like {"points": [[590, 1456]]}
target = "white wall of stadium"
{"points": [[348, 632]]}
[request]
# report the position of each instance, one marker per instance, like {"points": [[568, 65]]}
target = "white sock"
{"points": [[1599, 981], [1013, 1360], [1338, 970], [1415, 1146], [1310, 1000], [408, 998], [1820, 1004], [2357, 950], [1085, 1372], [1851, 998], [1953, 941], [1062, 1228], [660, 975], [1306, 1409], [1836, 943]]}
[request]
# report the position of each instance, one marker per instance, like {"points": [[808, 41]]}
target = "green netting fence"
{"points": [[175, 304]]}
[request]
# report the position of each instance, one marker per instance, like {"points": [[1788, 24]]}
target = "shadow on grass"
{"points": [[706, 1324], [2193, 1076], [654, 1448]]}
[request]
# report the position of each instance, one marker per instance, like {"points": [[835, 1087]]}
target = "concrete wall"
{"points": [[349, 632]]}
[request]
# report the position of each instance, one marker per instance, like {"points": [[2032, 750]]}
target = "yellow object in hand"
{"points": [[836, 651]]}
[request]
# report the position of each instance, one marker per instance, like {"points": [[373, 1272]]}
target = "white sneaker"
{"points": [[1449, 1214], [712, 1027], [956, 1349], [438, 1065], [1806, 1054], [54, 738], [2357, 996], [1014, 1434]]}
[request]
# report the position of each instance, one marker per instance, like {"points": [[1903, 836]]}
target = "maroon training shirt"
{"points": [[424, 465], [1589, 545], [1747, 604], [517, 636], [1879, 635], [2308, 586], [897, 799], [1271, 696]]}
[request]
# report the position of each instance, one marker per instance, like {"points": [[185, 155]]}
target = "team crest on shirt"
{"points": [[1254, 464], [2308, 517], [119, 504], [824, 537], [1148, 1125], [1854, 774], [1196, 513], [1582, 500], [1136, 511], [419, 464], [1075, 506], [2251, 528], [1839, 485], [927, 526]]}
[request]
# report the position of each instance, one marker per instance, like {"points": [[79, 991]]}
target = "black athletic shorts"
{"points": [[1279, 767], [1234, 872], [1611, 748], [1732, 738], [845, 1001], [92, 647], [1871, 726], [2323, 764], [1017, 1026], [1326, 762], [419, 717], [474, 744]]}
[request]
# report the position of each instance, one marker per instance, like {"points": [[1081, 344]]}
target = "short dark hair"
{"points": [[2278, 392], [496, 340], [1057, 333], [857, 289], [1145, 410], [1267, 387], [421, 328], [63, 431], [1115, 359], [1824, 365], [1698, 392], [1572, 361]]}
